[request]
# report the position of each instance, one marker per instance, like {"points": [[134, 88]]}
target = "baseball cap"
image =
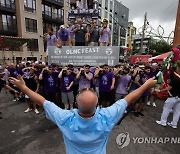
{"points": [[154, 64], [62, 26]]}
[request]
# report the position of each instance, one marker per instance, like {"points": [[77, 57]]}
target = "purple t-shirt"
{"points": [[63, 35], [105, 81], [50, 82], [19, 71], [105, 35], [122, 84], [65, 82], [84, 82], [70, 29], [51, 39], [13, 72], [145, 76]]}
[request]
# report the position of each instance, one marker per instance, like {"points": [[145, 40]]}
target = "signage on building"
{"points": [[78, 56]]}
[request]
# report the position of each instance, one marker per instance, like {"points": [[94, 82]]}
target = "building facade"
{"points": [[29, 19], [118, 16], [85, 9]]}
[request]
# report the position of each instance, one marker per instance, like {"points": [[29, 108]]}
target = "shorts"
{"points": [[105, 96], [67, 98], [119, 96], [143, 99]]}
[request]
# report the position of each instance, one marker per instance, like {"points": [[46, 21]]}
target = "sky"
{"points": [[159, 12]]}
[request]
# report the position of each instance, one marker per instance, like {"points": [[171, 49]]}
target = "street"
{"points": [[28, 133]]}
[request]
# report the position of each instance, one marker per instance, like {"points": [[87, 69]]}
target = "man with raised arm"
{"points": [[86, 129]]}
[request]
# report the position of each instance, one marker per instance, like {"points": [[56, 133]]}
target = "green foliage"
{"points": [[160, 47]]}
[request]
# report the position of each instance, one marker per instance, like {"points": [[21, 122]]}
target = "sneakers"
{"points": [[154, 104], [140, 113], [173, 126], [16, 99], [28, 110], [136, 114], [160, 123], [36, 111], [148, 103]]}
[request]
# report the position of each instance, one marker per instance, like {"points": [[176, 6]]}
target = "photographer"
{"points": [[80, 33], [85, 77], [49, 77], [32, 83], [105, 34], [106, 84], [123, 79], [67, 80], [142, 77], [94, 34]]}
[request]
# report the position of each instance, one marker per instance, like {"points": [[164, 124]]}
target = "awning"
{"points": [[12, 43], [159, 58]]}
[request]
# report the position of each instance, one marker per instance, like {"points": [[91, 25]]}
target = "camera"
{"points": [[82, 73], [121, 72], [141, 72], [64, 72], [101, 72]]}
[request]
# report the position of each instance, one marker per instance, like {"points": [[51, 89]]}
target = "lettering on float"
{"points": [[82, 51]]}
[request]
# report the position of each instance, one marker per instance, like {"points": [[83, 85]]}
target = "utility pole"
{"points": [[176, 40], [143, 33]]}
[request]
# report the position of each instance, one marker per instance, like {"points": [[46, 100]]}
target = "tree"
{"points": [[160, 47]]}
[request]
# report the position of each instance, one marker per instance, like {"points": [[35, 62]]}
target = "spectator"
{"points": [[142, 78], [70, 28], [105, 34], [106, 84], [49, 77], [32, 83], [50, 38], [63, 37], [80, 33], [122, 86], [94, 34], [67, 80], [85, 77]]}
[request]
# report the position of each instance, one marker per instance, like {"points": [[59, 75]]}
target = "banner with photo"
{"points": [[81, 55]]}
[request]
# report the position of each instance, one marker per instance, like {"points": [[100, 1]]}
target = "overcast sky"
{"points": [[159, 12]]}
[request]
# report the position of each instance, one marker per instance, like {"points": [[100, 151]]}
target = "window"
{"points": [[33, 45], [59, 14], [47, 10], [7, 3], [8, 23], [30, 5], [31, 25]]}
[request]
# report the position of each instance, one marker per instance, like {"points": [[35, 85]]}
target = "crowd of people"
{"points": [[79, 34], [101, 94], [62, 84]]}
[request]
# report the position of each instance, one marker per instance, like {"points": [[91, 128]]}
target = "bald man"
{"points": [[86, 129]]}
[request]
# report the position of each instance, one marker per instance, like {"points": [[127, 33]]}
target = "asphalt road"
{"points": [[28, 133]]}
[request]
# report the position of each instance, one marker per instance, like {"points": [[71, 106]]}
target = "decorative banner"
{"points": [[140, 58], [80, 55], [87, 12]]}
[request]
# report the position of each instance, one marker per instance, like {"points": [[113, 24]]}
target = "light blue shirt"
{"points": [[85, 135]]}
